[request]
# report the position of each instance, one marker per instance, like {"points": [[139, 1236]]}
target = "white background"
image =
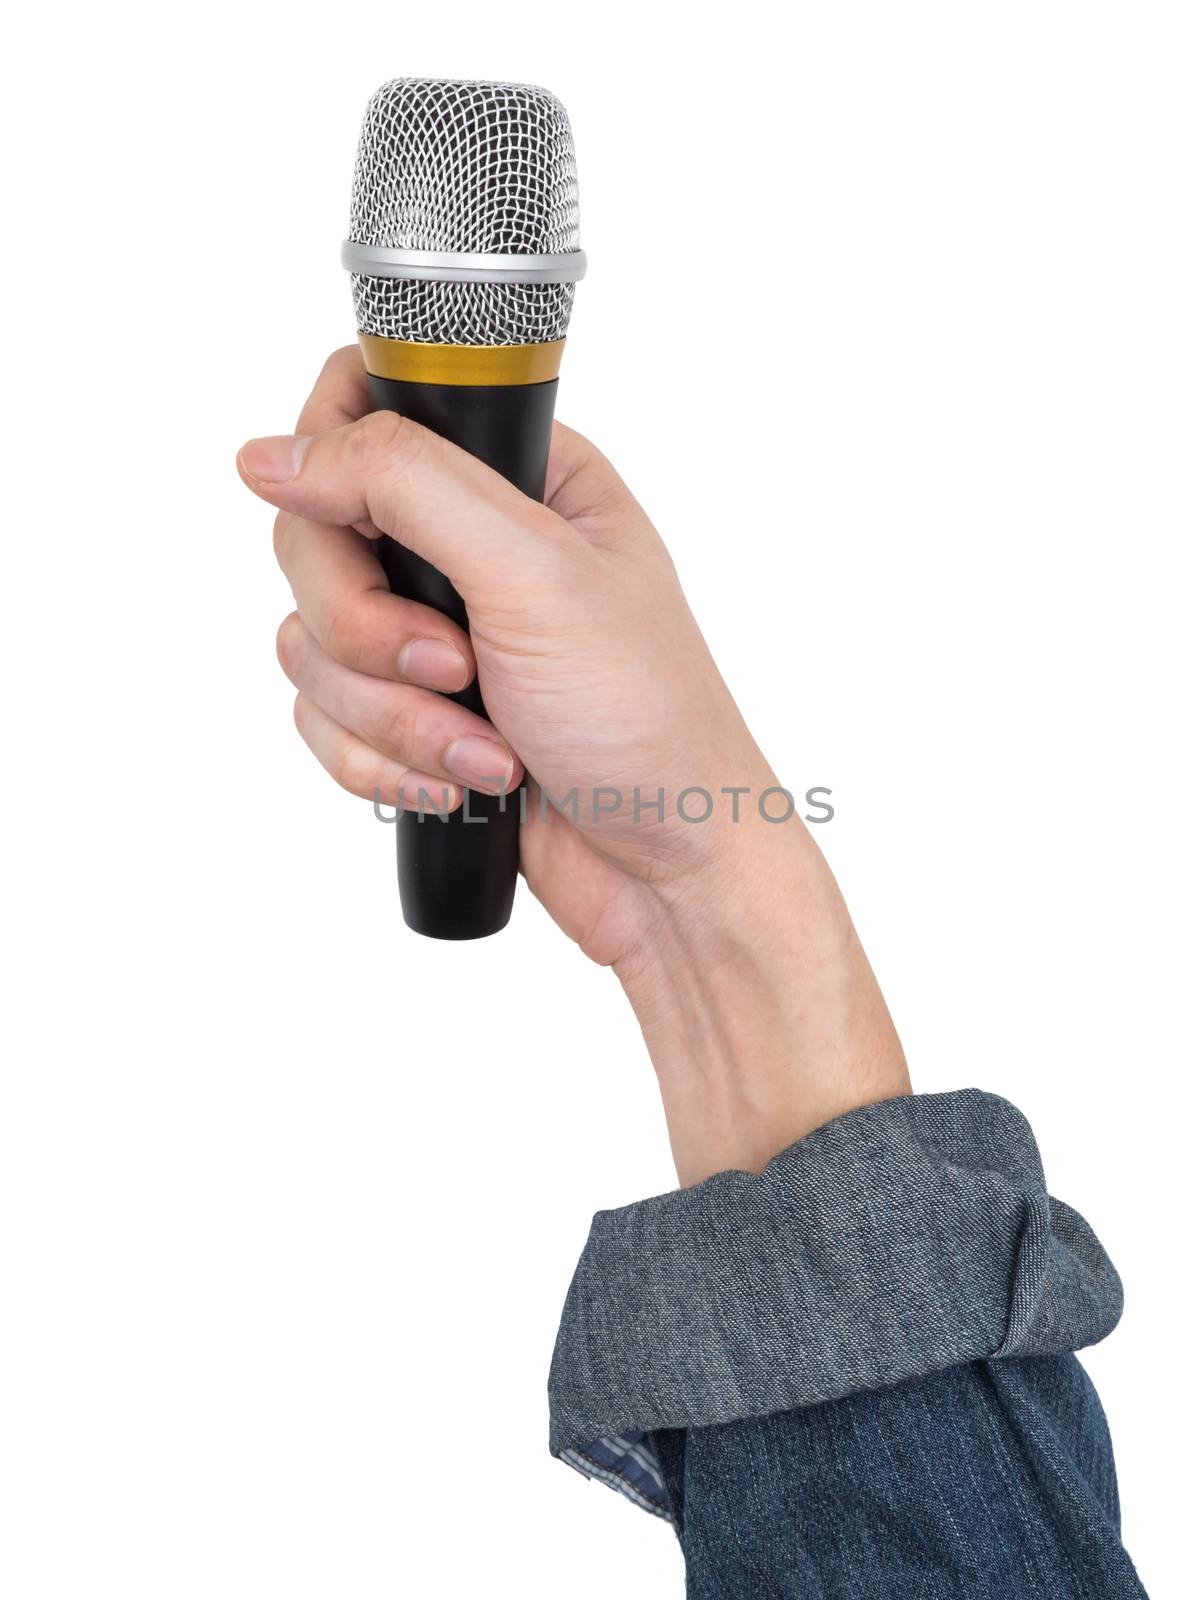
{"points": [[291, 1197]]}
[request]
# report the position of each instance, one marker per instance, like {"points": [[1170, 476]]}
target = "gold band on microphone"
{"points": [[474, 366]]}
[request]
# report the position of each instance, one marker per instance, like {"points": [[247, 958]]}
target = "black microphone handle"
{"points": [[457, 876]]}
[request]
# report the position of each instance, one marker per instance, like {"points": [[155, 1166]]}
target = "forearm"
{"points": [[758, 1005]]}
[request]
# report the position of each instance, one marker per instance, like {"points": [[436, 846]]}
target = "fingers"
{"points": [[339, 587], [352, 639], [365, 772], [344, 602], [340, 394], [434, 498], [411, 727]]}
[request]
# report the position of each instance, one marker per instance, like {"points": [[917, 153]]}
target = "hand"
{"points": [[731, 939]]}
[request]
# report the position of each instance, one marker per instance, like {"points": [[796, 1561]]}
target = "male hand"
{"points": [[731, 937]]}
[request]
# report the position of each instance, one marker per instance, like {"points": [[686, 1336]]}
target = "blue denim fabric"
{"points": [[992, 1481], [850, 1375]]}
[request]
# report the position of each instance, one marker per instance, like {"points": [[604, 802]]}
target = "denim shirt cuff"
{"points": [[899, 1240]]}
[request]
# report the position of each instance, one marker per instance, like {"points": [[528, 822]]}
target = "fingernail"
{"points": [[418, 792], [274, 460], [481, 763], [434, 664]]}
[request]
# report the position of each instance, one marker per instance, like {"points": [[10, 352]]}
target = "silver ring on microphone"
{"points": [[455, 266]]}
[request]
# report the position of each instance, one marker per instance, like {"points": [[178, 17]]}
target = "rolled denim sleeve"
{"points": [[907, 1239]]}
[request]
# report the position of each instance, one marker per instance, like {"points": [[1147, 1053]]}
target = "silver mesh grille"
{"points": [[484, 168]]}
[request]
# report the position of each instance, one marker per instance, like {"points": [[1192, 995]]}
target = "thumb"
{"points": [[418, 489]]}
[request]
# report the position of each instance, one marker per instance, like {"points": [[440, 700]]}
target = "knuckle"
{"points": [[345, 638], [326, 414], [288, 642], [346, 358], [547, 525], [335, 359], [344, 763], [384, 441], [346, 769], [281, 536], [397, 730]]}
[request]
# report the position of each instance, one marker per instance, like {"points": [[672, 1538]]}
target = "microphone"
{"points": [[464, 255]]}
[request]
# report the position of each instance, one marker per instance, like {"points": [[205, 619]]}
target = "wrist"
{"points": [[758, 1006]]}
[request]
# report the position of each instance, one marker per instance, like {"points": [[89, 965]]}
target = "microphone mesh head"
{"points": [[483, 168]]}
